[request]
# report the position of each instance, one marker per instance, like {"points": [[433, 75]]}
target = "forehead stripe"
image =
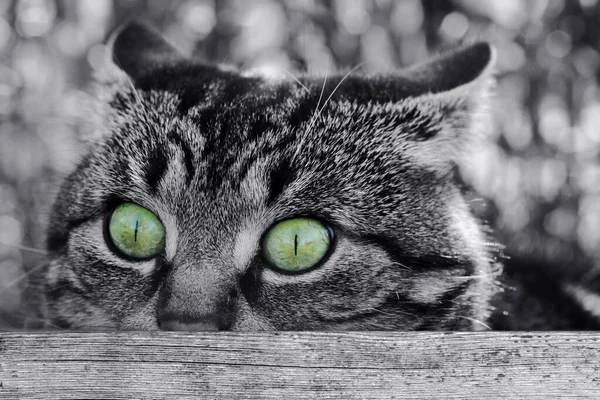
{"points": [[155, 168], [280, 178], [188, 156]]}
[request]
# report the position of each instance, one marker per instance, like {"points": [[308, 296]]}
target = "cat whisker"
{"points": [[19, 319], [50, 324], [138, 97], [340, 84], [379, 311], [403, 266], [394, 313], [44, 321], [476, 321], [316, 112], [21, 277], [27, 317], [297, 81], [479, 276], [25, 248], [135, 92], [312, 119]]}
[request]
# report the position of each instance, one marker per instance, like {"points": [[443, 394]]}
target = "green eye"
{"points": [[136, 232], [297, 244]]}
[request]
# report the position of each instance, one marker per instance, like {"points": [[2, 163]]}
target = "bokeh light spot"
{"points": [[558, 44], [35, 17], [407, 17], [455, 25]]}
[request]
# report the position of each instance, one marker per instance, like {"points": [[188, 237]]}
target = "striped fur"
{"points": [[220, 157]]}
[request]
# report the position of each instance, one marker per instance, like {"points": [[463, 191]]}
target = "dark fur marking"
{"points": [[420, 125], [430, 313], [389, 305], [426, 262], [304, 111], [188, 157], [58, 234], [122, 101], [280, 177], [155, 168], [188, 99], [259, 126], [250, 284], [57, 241]]}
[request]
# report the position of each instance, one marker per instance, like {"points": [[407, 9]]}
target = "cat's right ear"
{"points": [[134, 50], [137, 49]]}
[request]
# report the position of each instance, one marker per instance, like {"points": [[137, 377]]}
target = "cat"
{"points": [[213, 199]]}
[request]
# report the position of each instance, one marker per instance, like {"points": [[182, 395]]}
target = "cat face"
{"points": [[211, 199]]}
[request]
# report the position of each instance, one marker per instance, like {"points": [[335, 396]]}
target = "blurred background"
{"points": [[538, 180]]}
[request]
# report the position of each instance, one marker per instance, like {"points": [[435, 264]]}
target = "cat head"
{"points": [[215, 199]]}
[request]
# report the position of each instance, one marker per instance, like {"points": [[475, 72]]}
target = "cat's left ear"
{"points": [[452, 95], [464, 70], [137, 49]]}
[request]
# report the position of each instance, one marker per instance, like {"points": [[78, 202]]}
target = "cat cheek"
{"points": [[144, 319], [247, 319]]}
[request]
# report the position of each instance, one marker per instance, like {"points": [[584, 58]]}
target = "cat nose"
{"points": [[210, 322]]}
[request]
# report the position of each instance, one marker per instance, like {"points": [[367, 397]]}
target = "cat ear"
{"points": [[453, 97], [137, 49], [134, 51], [462, 67]]}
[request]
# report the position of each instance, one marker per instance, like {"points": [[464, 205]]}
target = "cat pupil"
{"points": [[295, 245]]}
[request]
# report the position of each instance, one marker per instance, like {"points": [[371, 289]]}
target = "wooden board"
{"points": [[176, 365]]}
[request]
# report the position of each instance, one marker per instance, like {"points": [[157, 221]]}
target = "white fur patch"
{"points": [[246, 246], [485, 274], [172, 234]]}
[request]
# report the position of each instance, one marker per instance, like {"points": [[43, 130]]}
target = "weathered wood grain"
{"points": [[157, 365]]}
